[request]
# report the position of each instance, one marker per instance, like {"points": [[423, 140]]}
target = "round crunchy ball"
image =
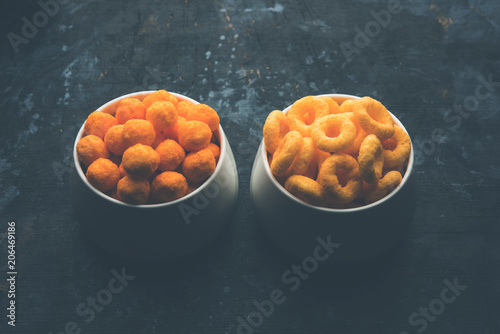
{"points": [[194, 135], [171, 155], [159, 95], [168, 186], [198, 166], [128, 109], [114, 141], [162, 115], [138, 131], [140, 161], [133, 191], [103, 174], [91, 148], [205, 114], [98, 123], [184, 107], [215, 150]]}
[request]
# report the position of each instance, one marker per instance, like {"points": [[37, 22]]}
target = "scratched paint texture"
{"points": [[245, 59]]}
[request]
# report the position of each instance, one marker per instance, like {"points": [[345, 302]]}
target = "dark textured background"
{"points": [[246, 58]]}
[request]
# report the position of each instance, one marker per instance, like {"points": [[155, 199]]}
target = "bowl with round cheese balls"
{"points": [[337, 172], [154, 176]]}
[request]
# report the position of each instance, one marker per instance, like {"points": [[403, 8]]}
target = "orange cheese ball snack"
{"points": [[171, 155], [184, 107], [198, 166], [173, 131], [114, 141], [123, 173], [91, 148], [98, 123], [305, 112], [215, 150], [103, 174], [194, 135], [133, 191], [140, 161], [169, 186], [162, 115], [371, 159], [138, 131], [205, 114], [128, 109], [275, 129], [159, 138], [159, 95]]}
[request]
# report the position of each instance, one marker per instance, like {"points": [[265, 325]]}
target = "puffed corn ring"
{"points": [[333, 133], [275, 128], [383, 187], [194, 135], [171, 155], [140, 160], [205, 114], [169, 186], [160, 95], [114, 141], [371, 159], [133, 191], [397, 148], [138, 131], [305, 112], [90, 148], [305, 189], [130, 108], [286, 152], [162, 114], [198, 166], [321, 156], [333, 106], [331, 171], [373, 117], [353, 150], [98, 123], [103, 174], [304, 158]]}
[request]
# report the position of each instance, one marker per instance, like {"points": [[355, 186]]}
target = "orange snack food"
{"points": [[305, 189], [91, 148], [353, 150], [184, 107], [162, 115], [198, 166], [373, 117], [159, 95], [333, 133], [173, 131], [333, 106], [194, 135], [399, 151], [215, 150], [304, 158], [169, 186], [275, 129], [103, 174], [133, 191], [205, 114], [383, 187], [286, 152], [114, 141], [171, 155], [304, 112], [371, 159], [138, 131], [98, 123], [330, 173], [140, 161], [128, 109]]}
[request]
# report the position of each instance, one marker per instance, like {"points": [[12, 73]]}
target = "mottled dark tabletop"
{"points": [[434, 64]]}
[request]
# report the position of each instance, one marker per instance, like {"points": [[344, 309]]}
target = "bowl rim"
{"points": [[409, 168], [223, 148]]}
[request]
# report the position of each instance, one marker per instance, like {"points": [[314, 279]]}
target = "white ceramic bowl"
{"points": [[157, 232], [363, 233]]}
